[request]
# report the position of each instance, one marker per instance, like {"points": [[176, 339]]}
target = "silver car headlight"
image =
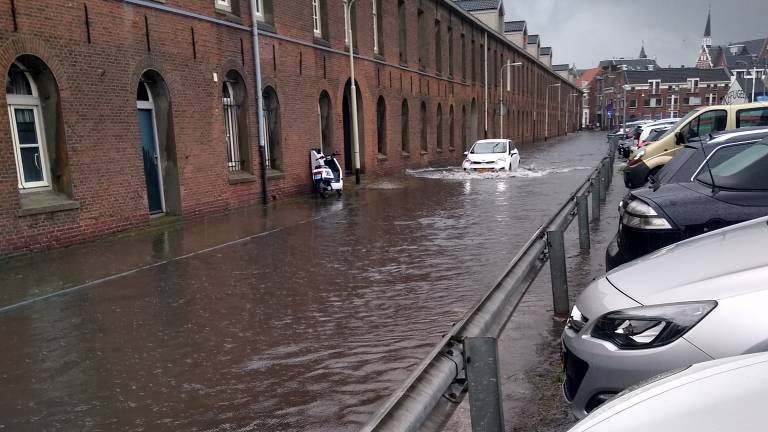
{"points": [[650, 326], [640, 215]]}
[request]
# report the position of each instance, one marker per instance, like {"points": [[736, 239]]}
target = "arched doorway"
{"points": [[272, 128], [473, 122], [324, 113], [349, 164], [161, 173]]}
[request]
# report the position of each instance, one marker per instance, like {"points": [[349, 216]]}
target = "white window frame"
{"points": [[691, 102], [232, 130], [693, 84], [317, 24], [711, 98], [225, 5], [375, 27], [655, 86], [30, 102], [150, 106], [259, 9]]}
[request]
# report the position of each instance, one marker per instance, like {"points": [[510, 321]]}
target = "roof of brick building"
{"points": [[676, 75], [478, 5], [514, 26]]}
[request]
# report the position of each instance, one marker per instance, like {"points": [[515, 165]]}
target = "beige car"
{"points": [[695, 126]]}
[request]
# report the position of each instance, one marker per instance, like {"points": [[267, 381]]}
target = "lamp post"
{"points": [[567, 106], [501, 95], [624, 113], [353, 90], [546, 112]]}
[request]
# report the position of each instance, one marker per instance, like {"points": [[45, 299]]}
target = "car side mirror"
{"points": [[466, 153], [679, 138]]}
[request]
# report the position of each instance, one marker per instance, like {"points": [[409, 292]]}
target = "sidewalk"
{"points": [[24, 279], [529, 347]]}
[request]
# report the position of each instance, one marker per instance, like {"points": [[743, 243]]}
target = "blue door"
{"points": [[151, 161]]}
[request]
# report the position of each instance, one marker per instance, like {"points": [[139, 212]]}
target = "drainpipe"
{"points": [[485, 64], [259, 102]]}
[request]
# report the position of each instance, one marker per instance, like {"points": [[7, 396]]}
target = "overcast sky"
{"points": [[587, 31]]}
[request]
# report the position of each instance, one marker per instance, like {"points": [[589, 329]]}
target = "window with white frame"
{"points": [[316, 18], [693, 84], [225, 5], [27, 129], [376, 42], [711, 99], [652, 102], [694, 101], [654, 86]]}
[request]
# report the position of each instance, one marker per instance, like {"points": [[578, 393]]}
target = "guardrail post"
{"points": [[603, 180], [583, 214], [486, 406], [558, 272], [595, 190]]}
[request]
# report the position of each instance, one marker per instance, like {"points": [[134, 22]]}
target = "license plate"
{"points": [[482, 170]]}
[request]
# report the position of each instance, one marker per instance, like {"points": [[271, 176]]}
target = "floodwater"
{"points": [[304, 328]]}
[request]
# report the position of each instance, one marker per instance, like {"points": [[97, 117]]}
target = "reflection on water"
{"points": [[304, 329], [457, 173]]}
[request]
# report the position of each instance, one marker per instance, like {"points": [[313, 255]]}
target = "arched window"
{"points": [[423, 116], [235, 123], [324, 114], [381, 126], [37, 131], [404, 128], [464, 128], [439, 126], [451, 137], [272, 126]]}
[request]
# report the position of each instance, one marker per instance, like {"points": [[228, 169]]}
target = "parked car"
{"points": [[648, 128], [719, 395], [491, 155], [698, 300], [696, 124], [695, 195]]}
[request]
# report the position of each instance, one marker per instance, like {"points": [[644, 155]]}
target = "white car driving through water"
{"points": [[491, 155]]}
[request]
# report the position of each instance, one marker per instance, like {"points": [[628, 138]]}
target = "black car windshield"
{"points": [[490, 147], [682, 121], [739, 167]]}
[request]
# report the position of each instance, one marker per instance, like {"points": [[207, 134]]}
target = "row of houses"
{"points": [[638, 88], [131, 110]]}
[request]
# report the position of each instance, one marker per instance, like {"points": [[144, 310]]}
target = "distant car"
{"points": [[648, 128], [694, 196], [719, 395], [491, 155], [697, 300]]}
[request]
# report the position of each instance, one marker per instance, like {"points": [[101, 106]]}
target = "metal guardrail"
{"points": [[465, 360]]}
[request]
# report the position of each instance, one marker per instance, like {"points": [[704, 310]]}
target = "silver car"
{"points": [[700, 299], [720, 395]]}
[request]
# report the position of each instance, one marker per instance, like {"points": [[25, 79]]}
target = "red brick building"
{"points": [[120, 110]]}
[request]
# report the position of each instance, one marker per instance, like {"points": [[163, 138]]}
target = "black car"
{"points": [[705, 187]]}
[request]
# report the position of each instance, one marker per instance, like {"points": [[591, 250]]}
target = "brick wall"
{"points": [[97, 84]]}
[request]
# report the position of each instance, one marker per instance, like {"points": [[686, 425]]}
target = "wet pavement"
{"points": [[300, 317]]}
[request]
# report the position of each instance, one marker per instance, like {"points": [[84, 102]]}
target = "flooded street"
{"points": [[305, 323]]}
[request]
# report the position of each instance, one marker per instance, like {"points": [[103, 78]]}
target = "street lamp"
{"points": [[567, 106], [546, 112], [501, 95], [353, 89]]}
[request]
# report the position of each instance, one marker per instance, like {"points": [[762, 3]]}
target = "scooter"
{"points": [[326, 173]]}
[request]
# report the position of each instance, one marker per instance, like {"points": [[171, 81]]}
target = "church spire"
{"points": [[707, 41], [642, 52]]}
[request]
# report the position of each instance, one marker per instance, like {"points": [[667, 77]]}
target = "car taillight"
{"points": [[635, 161]]}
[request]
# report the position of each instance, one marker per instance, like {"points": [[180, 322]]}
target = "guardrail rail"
{"points": [[465, 361]]}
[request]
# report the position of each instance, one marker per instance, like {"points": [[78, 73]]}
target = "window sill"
{"points": [[451, 149], [423, 153], [242, 177], [403, 64], [381, 157], [405, 155], [265, 26], [379, 57], [273, 174], [321, 42], [229, 16], [439, 150], [33, 203]]}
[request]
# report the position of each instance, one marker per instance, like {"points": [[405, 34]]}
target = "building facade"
{"points": [[130, 109]]}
